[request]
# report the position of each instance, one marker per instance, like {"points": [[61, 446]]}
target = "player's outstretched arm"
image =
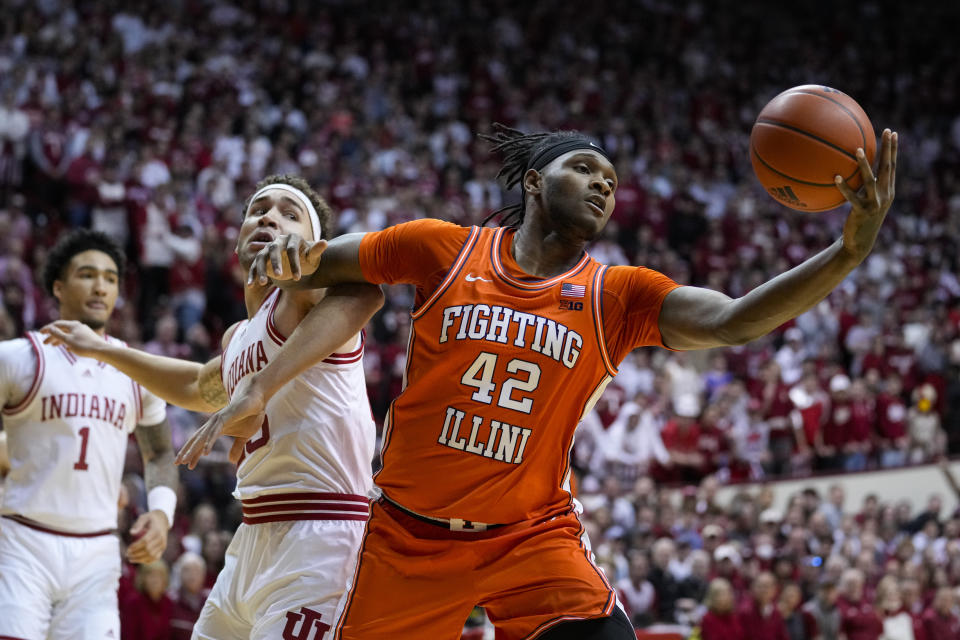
{"points": [[186, 384], [342, 312], [161, 478], [293, 262], [694, 318]]}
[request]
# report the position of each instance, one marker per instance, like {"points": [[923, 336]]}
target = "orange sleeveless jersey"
{"points": [[500, 368]]}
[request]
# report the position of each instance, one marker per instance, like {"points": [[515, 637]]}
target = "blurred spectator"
{"points": [[759, 614], [940, 620], [788, 604], [681, 437], [721, 621], [791, 355], [190, 571], [897, 623], [148, 614], [893, 440], [662, 555], [859, 618], [926, 436], [823, 618], [637, 592]]}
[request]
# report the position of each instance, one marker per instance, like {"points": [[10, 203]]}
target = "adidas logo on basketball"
{"points": [[786, 194]]}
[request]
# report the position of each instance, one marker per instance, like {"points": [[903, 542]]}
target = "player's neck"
{"points": [[545, 252]]}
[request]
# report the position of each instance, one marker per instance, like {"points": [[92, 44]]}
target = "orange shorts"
{"points": [[418, 580]]}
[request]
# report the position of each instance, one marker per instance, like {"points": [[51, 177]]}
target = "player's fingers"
{"points": [[292, 252], [138, 526], [258, 270], [883, 169], [275, 250], [866, 172], [894, 144], [847, 192], [236, 450], [55, 336]]}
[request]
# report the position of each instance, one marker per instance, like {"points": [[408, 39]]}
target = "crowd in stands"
{"points": [[153, 122]]}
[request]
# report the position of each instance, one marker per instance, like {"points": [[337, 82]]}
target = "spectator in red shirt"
{"points": [[808, 415], [892, 423], [831, 455], [913, 604], [858, 618], [939, 621], [775, 396], [147, 615], [861, 426], [681, 437], [720, 622], [192, 571], [759, 614]]}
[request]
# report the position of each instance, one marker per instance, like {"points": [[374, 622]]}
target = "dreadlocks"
{"points": [[519, 150]]}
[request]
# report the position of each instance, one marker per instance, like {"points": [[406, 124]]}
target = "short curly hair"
{"points": [[78, 241], [324, 212]]}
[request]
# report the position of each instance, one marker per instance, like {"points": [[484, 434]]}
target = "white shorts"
{"points": [[281, 580], [54, 586]]}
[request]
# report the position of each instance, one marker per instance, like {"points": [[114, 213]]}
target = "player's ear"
{"points": [[57, 289], [532, 182]]}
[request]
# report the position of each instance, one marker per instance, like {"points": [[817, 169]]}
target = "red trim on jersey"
{"points": [[537, 284], [34, 384], [33, 524], [137, 400], [306, 506], [301, 516], [272, 330], [597, 299], [282, 507], [12, 638], [452, 274], [72, 359], [223, 354]]}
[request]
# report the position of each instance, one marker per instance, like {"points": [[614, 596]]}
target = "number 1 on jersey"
{"points": [[81, 464]]}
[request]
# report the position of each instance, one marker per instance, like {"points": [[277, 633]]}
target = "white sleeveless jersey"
{"points": [[318, 433], [67, 438]]}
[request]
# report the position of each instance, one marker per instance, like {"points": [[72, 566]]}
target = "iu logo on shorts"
{"points": [[308, 619]]}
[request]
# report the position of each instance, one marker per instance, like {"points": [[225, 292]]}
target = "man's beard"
{"points": [[96, 325]]}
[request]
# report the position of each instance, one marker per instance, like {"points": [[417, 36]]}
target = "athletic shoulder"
{"points": [[632, 299], [411, 252]]}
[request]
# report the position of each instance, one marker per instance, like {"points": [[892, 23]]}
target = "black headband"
{"points": [[554, 151]]}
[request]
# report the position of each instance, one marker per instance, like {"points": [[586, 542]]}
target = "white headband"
{"points": [[301, 197]]}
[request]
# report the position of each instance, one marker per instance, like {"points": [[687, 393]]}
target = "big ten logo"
{"points": [[304, 625], [571, 305]]}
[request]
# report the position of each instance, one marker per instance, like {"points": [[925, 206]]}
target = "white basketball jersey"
{"points": [[318, 434], [67, 440]]}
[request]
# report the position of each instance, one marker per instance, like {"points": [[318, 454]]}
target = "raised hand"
{"points": [[872, 201], [287, 258], [75, 336]]}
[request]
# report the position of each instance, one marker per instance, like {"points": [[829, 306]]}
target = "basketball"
{"points": [[802, 139]]}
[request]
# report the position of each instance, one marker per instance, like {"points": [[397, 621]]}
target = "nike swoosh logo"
{"points": [[473, 278]]}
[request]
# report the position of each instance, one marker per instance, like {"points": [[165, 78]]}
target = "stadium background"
{"points": [[152, 122]]}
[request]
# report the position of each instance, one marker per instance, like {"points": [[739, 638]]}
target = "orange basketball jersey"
{"points": [[499, 371]]}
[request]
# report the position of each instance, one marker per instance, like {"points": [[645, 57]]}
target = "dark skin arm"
{"points": [[158, 470], [695, 318]]}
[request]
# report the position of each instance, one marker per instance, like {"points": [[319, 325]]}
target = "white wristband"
{"points": [[164, 499]]}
